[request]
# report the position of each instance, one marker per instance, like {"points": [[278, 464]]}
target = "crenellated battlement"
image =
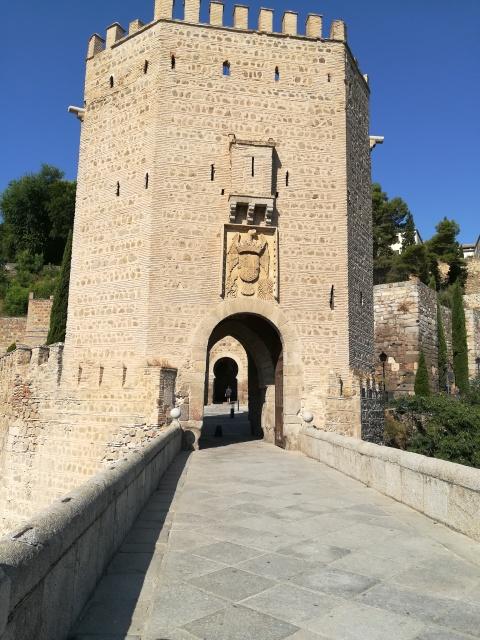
{"points": [[163, 10]]}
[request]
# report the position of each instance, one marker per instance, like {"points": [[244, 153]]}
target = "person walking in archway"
{"points": [[228, 394]]}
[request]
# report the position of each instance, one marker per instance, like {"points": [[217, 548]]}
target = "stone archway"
{"points": [[225, 377], [231, 348], [241, 319]]}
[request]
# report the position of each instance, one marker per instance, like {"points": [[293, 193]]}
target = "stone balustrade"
{"points": [[447, 492], [50, 566]]}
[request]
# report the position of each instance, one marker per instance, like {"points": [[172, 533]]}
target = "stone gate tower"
{"points": [[224, 190]]}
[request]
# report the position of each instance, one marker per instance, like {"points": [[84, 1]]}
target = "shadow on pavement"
{"points": [[118, 606], [220, 429]]}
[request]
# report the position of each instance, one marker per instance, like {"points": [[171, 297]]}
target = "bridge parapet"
{"points": [[50, 566], [444, 491]]}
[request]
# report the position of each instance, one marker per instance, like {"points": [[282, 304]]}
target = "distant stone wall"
{"points": [[12, 330], [472, 321], [405, 324], [31, 330], [472, 314], [38, 321], [473, 280]]}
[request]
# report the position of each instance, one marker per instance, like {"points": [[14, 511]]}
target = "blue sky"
{"points": [[422, 57]]}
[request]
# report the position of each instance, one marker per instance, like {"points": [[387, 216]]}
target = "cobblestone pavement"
{"points": [[248, 542]]}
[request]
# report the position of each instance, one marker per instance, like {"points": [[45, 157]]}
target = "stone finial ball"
{"points": [[307, 417], [175, 413]]}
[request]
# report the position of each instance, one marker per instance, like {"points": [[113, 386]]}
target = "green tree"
{"points": [[58, 318], [444, 247], [422, 384], [442, 352], [38, 212], [442, 427], [409, 232], [412, 260], [459, 339], [390, 218]]}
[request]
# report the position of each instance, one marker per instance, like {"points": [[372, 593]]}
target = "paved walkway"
{"points": [[248, 542]]}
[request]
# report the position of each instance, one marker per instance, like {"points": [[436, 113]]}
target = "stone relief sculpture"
{"points": [[249, 266]]}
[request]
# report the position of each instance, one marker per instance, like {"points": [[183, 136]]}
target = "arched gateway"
{"points": [[274, 357]]}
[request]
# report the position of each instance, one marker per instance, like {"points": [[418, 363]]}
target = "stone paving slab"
{"points": [[249, 542]]}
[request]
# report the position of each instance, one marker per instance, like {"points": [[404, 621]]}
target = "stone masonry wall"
{"points": [[405, 324], [31, 330], [472, 314], [360, 233], [147, 261], [12, 331], [38, 321], [472, 321], [54, 435], [473, 280]]}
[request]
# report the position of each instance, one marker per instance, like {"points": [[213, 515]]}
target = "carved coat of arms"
{"points": [[248, 267]]}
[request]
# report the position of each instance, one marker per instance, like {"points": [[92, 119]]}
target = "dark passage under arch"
{"points": [[225, 372]]}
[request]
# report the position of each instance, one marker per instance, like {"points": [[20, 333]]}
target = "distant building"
{"points": [[398, 246], [471, 250]]}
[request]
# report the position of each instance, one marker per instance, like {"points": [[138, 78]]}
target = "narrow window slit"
{"points": [[100, 376], [287, 178], [112, 82], [329, 77], [79, 377], [147, 180], [332, 297], [145, 66], [277, 74], [118, 189], [253, 167], [212, 172], [226, 68], [173, 61], [124, 376]]}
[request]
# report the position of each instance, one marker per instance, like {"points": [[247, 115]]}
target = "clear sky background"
{"points": [[422, 56]]}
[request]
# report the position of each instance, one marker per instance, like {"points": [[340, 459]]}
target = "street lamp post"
{"points": [[383, 360]]}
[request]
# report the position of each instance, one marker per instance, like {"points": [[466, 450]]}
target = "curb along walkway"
{"points": [[249, 542]]}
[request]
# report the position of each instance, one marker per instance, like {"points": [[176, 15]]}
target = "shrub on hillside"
{"points": [[443, 427], [16, 300], [397, 433], [473, 394]]}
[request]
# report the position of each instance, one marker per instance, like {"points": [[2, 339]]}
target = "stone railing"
{"points": [[50, 566], [447, 492]]}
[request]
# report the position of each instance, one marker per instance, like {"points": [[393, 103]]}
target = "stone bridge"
{"points": [[243, 541]]}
